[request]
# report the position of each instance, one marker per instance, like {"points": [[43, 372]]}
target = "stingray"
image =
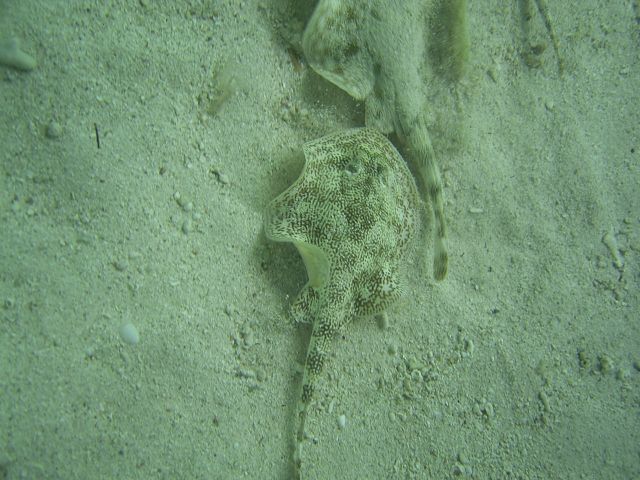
{"points": [[351, 214], [375, 50]]}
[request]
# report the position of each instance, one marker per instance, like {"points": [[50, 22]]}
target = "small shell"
{"points": [[342, 422]]}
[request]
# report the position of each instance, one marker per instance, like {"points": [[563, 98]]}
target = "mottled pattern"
{"points": [[351, 214], [374, 50]]}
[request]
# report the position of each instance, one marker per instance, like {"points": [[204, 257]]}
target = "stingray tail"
{"points": [[317, 352], [419, 143]]}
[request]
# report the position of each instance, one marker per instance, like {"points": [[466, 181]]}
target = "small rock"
{"points": [[342, 422], [223, 178], [54, 130], [11, 55], [129, 334], [458, 470], [120, 265]]}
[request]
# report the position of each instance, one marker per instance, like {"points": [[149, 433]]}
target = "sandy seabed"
{"points": [[523, 364]]}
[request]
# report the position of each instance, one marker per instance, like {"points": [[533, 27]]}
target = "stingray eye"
{"points": [[383, 174], [352, 168]]}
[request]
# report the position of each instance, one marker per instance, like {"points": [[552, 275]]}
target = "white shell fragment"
{"points": [[342, 422], [129, 334]]}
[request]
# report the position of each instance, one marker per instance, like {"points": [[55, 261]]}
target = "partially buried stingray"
{"points": [[375, 50], [355, 207], [351, 214]]}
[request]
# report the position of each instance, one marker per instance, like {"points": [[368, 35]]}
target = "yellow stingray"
{"points": [[375, 50]]}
